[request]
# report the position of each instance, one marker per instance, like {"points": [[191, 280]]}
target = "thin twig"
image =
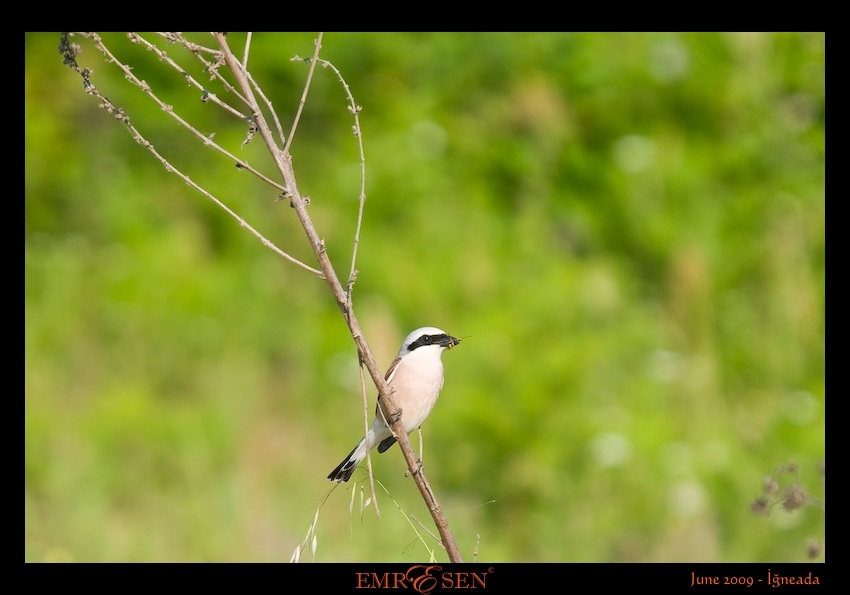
{"points": [[164, 57], [168, 109], [366, 423], [303, 102], [426, 529], [355, 110], [247, 48], [120, 115], [212, 67], [270, 107]]}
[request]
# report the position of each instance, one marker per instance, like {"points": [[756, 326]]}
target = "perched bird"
{"points": [[415, 378]]}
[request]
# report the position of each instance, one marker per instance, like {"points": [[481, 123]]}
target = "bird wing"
{"points": [[388, 377]]}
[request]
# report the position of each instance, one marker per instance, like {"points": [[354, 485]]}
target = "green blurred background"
{"points": [[628, 229]]}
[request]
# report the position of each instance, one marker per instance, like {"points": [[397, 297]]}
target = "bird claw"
{"points": [[418, 469]]}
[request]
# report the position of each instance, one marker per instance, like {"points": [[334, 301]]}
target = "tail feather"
{"points": [[346, 468]]}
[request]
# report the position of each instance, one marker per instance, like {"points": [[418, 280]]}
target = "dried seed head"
{"points": [[760, 506], [814, 548], [794, 498], [770, 485]]}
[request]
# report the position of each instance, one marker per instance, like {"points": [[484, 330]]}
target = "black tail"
{"points": [[345, 469]]}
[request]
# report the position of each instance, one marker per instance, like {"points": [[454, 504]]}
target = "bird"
{"points": [[415, 379]]}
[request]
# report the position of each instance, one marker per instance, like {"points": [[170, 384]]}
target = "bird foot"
{"points": [[418, 469]]}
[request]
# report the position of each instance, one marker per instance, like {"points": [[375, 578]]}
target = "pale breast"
{"points": [[416, 384]]}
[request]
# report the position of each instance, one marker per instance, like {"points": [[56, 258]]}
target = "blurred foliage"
{"points": [[628, 229]]}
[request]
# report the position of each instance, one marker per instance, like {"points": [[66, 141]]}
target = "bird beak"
{"points": [[448, 342]]}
